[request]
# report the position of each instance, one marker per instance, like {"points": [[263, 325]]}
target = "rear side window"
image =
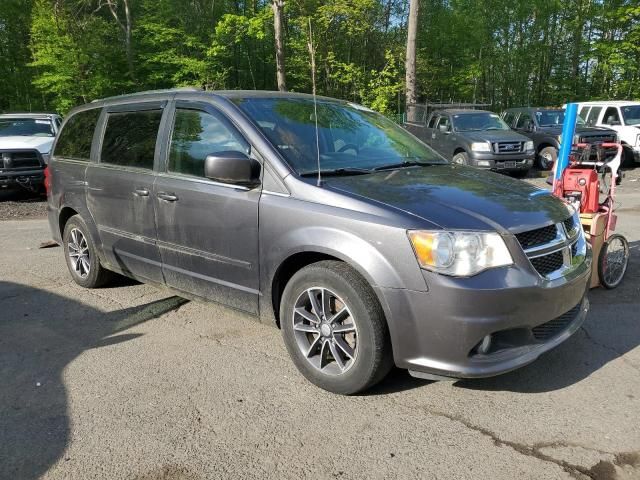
{"points": [[197, 134], [130, 138], [77, 135]]}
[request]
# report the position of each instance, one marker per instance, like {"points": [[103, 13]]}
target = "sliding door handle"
{"points": [[167, 197]]}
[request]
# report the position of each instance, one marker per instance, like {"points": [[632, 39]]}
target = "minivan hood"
{"points": [[458, 197], [494, 136], [42, 144]]}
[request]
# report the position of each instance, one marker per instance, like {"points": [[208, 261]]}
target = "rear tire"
{"points": [[81, 255], [547, 157], [339, 341], [461, 158], [613, 261]]}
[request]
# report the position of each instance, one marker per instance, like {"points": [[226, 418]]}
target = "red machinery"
{"points": [[588, 183]]}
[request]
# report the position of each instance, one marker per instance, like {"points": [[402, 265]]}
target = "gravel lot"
{"points": [[131, 382], [21, 204]]}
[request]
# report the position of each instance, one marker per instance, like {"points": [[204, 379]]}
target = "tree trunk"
{"points": [[411, 96], [278, 6]]}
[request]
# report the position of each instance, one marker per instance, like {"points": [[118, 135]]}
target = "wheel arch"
{"points": [[65, 214]]}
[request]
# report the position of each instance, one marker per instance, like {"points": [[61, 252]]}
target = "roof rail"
{"points": [[151, 92]]}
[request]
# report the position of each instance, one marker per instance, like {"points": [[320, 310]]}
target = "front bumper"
{"points": [[438, 332], [33, 177], [508, 162]]}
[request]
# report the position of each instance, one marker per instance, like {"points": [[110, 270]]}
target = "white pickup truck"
{"points": [[25, 143], [622, 116]]}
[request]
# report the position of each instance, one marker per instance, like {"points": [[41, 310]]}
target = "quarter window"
{"points": [[77, 135], [197, 134], [130, 138]]}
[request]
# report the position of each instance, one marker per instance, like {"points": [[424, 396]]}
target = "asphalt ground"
{"points": [[132, 382]]}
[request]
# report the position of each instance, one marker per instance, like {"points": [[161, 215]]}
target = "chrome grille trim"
{"points": [[569, 240]]}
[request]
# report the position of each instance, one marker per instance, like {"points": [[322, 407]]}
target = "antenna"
{"points": [[312, 54]]}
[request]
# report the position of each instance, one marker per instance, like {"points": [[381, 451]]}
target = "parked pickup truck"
{"points": [[25, 143], [478, 138], [544, 127]]}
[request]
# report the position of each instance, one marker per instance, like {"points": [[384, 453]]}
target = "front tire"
{"points": [[461, 158], [81, 255], [547, 157], [334, 328]]}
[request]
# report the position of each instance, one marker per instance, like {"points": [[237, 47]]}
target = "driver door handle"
{"points": [[167, 197], [141, 192]]}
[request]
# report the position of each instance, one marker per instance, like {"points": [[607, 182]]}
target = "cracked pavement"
{"points": [[132, 382]]}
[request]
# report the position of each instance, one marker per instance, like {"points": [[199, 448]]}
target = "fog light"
{"points": [[485, 345], [483, 163]]}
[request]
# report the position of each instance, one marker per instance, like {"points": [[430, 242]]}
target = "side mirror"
{"points": [[232, 167], [611, 120]]}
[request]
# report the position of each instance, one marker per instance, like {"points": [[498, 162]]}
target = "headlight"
{"points": [[528, 146], [457, 253], [480, 147], [45, 158]]}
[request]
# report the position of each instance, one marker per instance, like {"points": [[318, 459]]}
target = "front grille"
{"points": [[556, 326], [25, 159], [507, 147], [548, 263], [540, 236]]}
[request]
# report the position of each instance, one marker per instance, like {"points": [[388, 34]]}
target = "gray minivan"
{"points": [[323, 217]]}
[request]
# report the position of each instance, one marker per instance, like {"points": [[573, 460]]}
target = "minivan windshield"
{"points": [[352, 139], [631, 114], [467, 122], [26, 127], [553, 118]]}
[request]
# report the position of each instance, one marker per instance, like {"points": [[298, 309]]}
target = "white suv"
{"points": [[621, 116]]}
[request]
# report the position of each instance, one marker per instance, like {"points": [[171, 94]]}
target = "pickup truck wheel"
{"points": [[81, 255], [547, 157], [461, 158], [334, 328]]}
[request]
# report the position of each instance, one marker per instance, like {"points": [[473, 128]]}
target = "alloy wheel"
{"points": [[325, 331], [78, 251]]}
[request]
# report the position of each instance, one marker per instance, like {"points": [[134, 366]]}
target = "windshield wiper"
{"points": [[408, 163], [336, 172]]}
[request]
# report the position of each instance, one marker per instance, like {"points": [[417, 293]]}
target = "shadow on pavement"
{"points": [[40, 334]]}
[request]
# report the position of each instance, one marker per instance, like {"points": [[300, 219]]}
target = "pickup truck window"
{"points": [[592, 117], [509, 117], [524, 119], [432, 121], [468, 122], [443, 123]]}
